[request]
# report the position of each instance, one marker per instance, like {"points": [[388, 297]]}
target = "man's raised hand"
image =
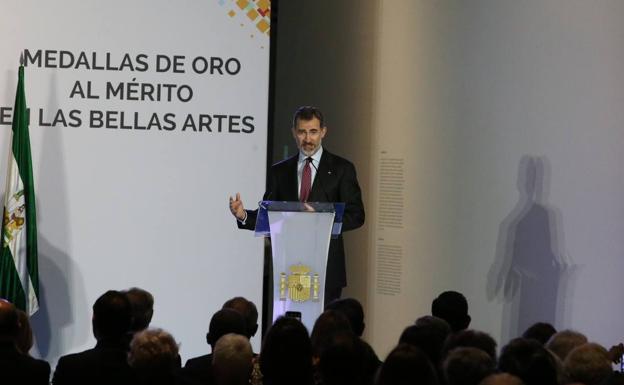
{"points": [[236, 207]]}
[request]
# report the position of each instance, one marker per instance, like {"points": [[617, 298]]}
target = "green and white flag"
{"points": [[19, 274]]}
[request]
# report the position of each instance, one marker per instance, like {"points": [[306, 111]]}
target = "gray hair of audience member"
{"points": [[467, 366], [142, 303], [248, 310], [24, 336], [501, 379], [232, 360], [563, 342], [588, 363], [153, 351]]}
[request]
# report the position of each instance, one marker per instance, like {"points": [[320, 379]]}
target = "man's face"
{"points": [[309, 135]]}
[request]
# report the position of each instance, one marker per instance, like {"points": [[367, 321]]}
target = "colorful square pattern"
{"points": [[258, 12]]}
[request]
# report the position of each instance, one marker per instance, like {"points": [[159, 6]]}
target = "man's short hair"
{"points": [[308, 113], [428, 334], [473, 339], [467, 366], [407, 364], [153, 350], [563, 342], [588, 364], [352, 309], [232, 359], [249, 312], [452, 307], [540, 331], [530, 361], [223, 322], [142, 303], [112, 315]]}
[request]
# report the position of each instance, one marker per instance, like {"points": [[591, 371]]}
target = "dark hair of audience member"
{"points": [[341, 360], [540, 331], [428, 334], [24, 336], [562, 343], [142, 303], [467, 366], [249, 312], [223, 322], [325, 326], [232, 360], [154, 356], [501, 379], [452, 307], [112, 316], [407, 365], [530, 361], [286, 354], [588, 364], [473, 339], [352, 309]]}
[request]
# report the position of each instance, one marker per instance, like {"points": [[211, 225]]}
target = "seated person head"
{"points": [[325, 326], [473, 339], [407, 364], [467, 366], [142, 303], [112, 316], [249, 312], [286, 353], [452, 307], [232, 360], [588, 364], [223, 322], [540, 331], [154, 354], [530, 361], [563, 342], [428, 334], [352, 309], [9, 321]]}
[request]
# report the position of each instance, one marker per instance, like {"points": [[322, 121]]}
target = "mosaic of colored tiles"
{"points": [[256, 12]]}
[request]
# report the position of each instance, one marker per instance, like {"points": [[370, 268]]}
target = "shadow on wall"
{"points": [[532, 273], [60, 288]]}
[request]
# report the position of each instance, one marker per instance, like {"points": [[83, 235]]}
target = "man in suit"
{"points": [[107, 362], [313, 175], [17, 367], [225, 321]]}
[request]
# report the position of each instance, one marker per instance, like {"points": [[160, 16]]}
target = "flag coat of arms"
{"points": [[19, 276]]}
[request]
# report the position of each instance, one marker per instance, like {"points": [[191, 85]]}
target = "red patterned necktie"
{"points": [[306, 181]]}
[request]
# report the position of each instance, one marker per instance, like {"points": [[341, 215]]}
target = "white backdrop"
{"points": [[139, 207]]}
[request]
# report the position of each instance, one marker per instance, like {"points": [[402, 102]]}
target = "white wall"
{"points": [[481, 100], [485, 100]]}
